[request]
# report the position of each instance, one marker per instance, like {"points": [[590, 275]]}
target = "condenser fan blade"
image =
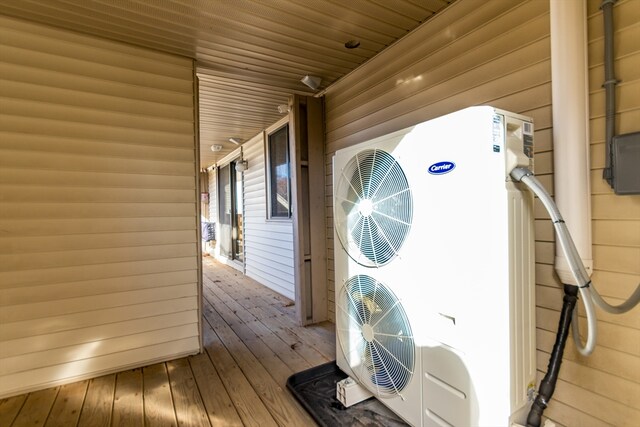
{"points": [[375, 209], [377, 342]]}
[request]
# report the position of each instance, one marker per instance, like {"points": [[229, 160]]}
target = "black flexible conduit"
{"points": [[548, 383], [609, 88]]}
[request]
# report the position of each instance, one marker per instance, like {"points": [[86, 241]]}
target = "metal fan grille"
{"points": [[375, 336], [373, 207]]}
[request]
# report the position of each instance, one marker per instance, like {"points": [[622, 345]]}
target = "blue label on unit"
{"points": [[441, 168]]}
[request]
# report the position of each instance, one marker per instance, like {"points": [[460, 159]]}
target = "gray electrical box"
{"points": [[626, 163]]}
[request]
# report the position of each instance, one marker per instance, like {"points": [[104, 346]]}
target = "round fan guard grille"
{"points": [[373, 207], [375, 336]]}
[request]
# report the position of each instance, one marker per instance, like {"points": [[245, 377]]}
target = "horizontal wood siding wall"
{"points": [[98, 237], [498, 53], [268, 244]]}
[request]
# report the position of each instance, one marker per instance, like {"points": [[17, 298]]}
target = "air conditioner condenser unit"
{"points": [[434, 269]]}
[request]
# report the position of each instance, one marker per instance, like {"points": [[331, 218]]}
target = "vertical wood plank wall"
{"points": [[98, 205], [498, 53], [307, 198], [268, 243]]}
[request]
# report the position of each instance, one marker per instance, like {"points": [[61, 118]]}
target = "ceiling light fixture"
{"points": [[312, 81], [235, 140], [216, 147]]}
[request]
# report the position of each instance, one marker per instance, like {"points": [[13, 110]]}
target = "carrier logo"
{"points": [[441, 168]]}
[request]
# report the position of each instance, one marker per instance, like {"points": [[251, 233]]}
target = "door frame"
{"points": [[233, 157]]}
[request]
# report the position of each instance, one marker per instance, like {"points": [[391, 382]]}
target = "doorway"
{"points": [[230, 211]]}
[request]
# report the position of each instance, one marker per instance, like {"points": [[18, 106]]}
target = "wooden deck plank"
{"points": [[236, 285], [216, 400], [325, 329], [224, 311], [249, 301], [306, 335], [281, 349], [10, 407], [283, 407], [36, 409], [277, 364], [249, 294], [284, 330], [128, 409], [190, 410], [249, 406], [98, 402], [276, 304], [158, 402], [307, 352], [277, 369], [284, 351], [66, 409], [233, 304]]}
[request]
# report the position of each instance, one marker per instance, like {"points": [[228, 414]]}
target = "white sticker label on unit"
{"points": [[498, 127]]}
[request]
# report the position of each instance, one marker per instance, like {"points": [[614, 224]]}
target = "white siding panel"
{"points": [[92, 318], [54, 291], [98, 365], [213, 196], [210, 246], [112, 330], [95, 271], [282, 246], [498, 53], [20, 312], [268, 244], [93, 349], [98, 178]]}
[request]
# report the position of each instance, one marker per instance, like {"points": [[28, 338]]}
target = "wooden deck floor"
{"points": [[252, 346]]}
